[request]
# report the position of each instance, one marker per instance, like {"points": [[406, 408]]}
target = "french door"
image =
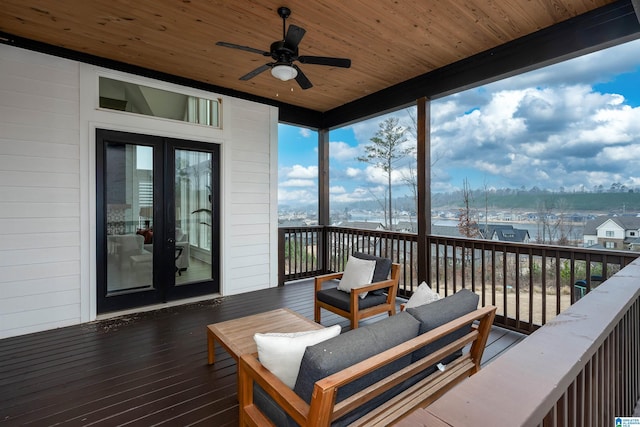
{"points": [[157, 219]]}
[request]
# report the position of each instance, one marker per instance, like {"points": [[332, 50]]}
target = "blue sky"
{"points": [[573, 125]]}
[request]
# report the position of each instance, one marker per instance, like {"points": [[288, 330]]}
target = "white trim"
{"points": [[273, 173], [92, 118], [155, 307]]}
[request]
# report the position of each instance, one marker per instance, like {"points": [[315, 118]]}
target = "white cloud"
{"points": [[353, 172], [305, 133], [298, 183], [302, 172], [337, 189], [342, 151], [297, 196], [357, 195]]}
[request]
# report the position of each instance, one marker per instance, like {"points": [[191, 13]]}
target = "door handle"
{"points": [[171, 240]]}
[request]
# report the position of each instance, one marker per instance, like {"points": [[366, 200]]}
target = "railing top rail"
{"points": [[544, 246], [300, 227], [385, 233]]}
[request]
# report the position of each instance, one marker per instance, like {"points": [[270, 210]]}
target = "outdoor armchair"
{"points": [[380, 295]]}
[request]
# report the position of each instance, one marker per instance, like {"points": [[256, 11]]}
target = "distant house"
{"points": [[292, 223], [505, 233], [445, 230], [365, 225], [406, 227], [621, 232]]}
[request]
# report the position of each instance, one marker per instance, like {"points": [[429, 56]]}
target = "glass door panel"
{"points": [[194, 216], [129, 217]]}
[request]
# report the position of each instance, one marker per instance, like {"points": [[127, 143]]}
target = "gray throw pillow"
{"points": [[383, 266], [382, 271]]}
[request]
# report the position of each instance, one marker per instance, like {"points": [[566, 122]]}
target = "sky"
{"points": [[571, 126]]}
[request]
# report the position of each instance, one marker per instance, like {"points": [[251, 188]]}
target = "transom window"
{"points": [[134, 98]]}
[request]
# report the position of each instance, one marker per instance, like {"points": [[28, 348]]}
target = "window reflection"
{"points": [[138, 99]]}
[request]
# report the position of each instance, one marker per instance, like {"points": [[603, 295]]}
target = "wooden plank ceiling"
{"points": [[387, 42]]}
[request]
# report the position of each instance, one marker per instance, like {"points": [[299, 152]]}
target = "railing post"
{"points": [[323, 249], [281, 256]]}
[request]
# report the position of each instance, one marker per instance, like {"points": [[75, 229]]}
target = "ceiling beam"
{"points": [[603, 27]]}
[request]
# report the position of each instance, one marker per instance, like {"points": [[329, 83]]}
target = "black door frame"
{"points": [[164, 222]]}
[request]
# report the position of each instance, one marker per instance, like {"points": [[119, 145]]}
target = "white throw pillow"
{"points": [[281, 353], [423, 295], [357, 273]]}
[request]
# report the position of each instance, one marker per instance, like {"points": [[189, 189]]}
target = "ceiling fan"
{"points": [[284, 52]]}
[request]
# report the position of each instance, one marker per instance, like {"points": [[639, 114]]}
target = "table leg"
{"points": [[211, 347]]}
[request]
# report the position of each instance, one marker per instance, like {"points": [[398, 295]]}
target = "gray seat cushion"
{"points": [[440, 312], [335, 354], [382, 270], [271, 409], [342, 300]]}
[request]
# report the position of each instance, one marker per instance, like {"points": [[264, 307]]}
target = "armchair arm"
{"points": [[374, 286], [250, 370], [391, 284], [319, 280]]}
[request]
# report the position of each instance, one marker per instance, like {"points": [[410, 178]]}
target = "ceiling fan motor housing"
{"points": [[281, 53]]}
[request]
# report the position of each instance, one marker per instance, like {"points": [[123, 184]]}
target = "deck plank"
{"points": [[146, 368]]}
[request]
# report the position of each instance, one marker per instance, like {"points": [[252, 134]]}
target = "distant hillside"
{"points": [[598, 202]]}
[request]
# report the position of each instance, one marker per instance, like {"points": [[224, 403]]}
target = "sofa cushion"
{"points": [[381, 273], [342, 300], [423, 295], [281, 353], [335, 354], [357, 273], [440, 312]]}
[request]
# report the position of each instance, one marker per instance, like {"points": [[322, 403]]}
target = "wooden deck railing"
{"points": [[580, 369], [530, 284]]}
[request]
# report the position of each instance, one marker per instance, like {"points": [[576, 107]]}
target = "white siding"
{"points": [[39, 192], [48, 120], [251, 261]]}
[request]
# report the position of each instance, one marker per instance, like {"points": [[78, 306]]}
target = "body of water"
{"points": [[574, 231]]}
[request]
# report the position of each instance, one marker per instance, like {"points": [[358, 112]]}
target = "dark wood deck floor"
{"points": [[144, 369]]}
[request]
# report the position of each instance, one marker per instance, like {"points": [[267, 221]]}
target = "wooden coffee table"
{"points": [[236, 336]]}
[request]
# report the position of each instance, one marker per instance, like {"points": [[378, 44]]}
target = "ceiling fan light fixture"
{"points": [[284, 72]]}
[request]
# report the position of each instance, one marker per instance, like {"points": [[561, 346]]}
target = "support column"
{"points": [[424, 188], [323, 197]]}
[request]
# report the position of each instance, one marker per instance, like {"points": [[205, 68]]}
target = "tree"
{"points": [[410, 178], [467, 225], [386, 149]]}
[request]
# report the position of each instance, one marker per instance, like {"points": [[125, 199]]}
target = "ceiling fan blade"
{"points": [[323, 60], [245, 48], [302, 80], [255, 72], [294, 37]]}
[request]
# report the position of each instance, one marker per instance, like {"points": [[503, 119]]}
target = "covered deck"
{"points": [[151, 368], [147, 368]]}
